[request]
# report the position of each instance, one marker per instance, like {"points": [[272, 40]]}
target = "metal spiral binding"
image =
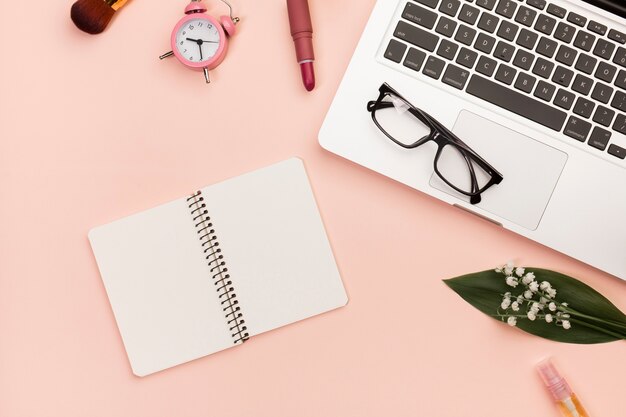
{"points": [[218, 269]]}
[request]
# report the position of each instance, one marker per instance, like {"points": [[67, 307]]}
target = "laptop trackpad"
{"points": [[530, 169]]}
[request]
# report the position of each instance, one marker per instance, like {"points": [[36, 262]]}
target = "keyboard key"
{"points": [[582, 84], [430, 3], [543, 68], [546, 47], [539, 4], [599, 138], [617, 151], [604, 49], [485, 43], [566, 55], [603, 116], [616, 36], [395, 51], [450, 7], [455, 76], [416, 36], [486, 66], [527, 39], [488, 22], [523, 59], [563, 76], [596, 27], [586, 63], [620, 57], [619, 101], [602, 93], [465, 35], [516, 102], [564, 32], [486, 4], [467, 57], [584, 40], [525, 82], [469, 14], [447, 49], [506, 74], [504, 51], [508, 30], [620, 124], [544, 91], [506, 8], [419, 15], [605, 72], [576, 19], [620, 81], [434, 67], [557, 11], [545, 24], [564, 99], [584, 107], [414, 59], [525, 16], [446, 26], [577, 129]]}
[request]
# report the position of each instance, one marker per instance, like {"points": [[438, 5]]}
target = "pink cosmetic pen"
{"points": [[566, 400], [302, 34]]}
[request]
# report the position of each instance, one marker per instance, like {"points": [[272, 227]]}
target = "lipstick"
{"points": [[302, 35]]}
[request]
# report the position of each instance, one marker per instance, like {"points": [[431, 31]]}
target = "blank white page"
{"points": [[275, 246], [160, 288]]}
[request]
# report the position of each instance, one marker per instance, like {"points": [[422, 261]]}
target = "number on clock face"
{"points": [[198, 40]]}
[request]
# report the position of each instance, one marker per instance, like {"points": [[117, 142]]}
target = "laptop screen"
{"points": [[617, 7]]}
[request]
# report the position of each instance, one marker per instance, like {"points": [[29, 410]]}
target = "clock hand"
{"points": [[200, 47], [201, 41]]}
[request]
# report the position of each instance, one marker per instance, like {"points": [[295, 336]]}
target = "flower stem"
{"points": [[600, 329], [578, 313]]}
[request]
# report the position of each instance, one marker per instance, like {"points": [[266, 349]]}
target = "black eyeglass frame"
{"points": [[442, 137]]}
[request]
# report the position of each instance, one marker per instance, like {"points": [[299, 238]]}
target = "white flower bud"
{"points": [[519, 271], [506, 303], [552, 306], [531, 316], [528, 294], [566, 324], [512, 281], [515, 306], [533, 286], [548, 318], [545, 285], [511, 321]]}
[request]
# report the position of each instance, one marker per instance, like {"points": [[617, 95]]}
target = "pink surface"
{"points": [[103, 129]]}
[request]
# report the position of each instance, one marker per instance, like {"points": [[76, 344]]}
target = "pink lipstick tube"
{"points": [[302, 34]]}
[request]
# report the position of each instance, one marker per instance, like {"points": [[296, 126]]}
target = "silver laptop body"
{"points": [[537, 88]]}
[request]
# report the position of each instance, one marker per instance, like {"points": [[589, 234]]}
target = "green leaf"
{"points": [[594, 318]]}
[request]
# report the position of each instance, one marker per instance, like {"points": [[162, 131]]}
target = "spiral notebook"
{"points": [[210, 270]]}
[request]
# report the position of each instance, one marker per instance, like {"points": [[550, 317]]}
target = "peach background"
{"points": [[96, 128]]}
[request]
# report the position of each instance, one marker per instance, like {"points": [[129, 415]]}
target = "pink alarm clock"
{"points": [[199, 40]]}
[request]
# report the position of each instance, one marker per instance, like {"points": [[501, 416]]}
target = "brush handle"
{"points": [[115, 4]]}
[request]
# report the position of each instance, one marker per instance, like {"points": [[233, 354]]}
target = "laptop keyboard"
{"points": [[533, 58]]}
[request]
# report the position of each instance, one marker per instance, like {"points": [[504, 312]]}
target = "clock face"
{"points": [[198, 40]]}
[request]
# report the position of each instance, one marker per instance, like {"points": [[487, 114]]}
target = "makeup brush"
{"points": [[93, 16]]}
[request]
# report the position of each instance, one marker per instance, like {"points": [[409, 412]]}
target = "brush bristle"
{"points": [[91, 16]]}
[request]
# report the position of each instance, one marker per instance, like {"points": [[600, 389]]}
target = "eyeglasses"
{"points": [[455, 162]]}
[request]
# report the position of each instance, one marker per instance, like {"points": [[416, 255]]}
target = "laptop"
{"points": [[535, 87]]}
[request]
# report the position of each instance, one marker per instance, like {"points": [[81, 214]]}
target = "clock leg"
{"points": [[166, 55], [206, 75]]}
